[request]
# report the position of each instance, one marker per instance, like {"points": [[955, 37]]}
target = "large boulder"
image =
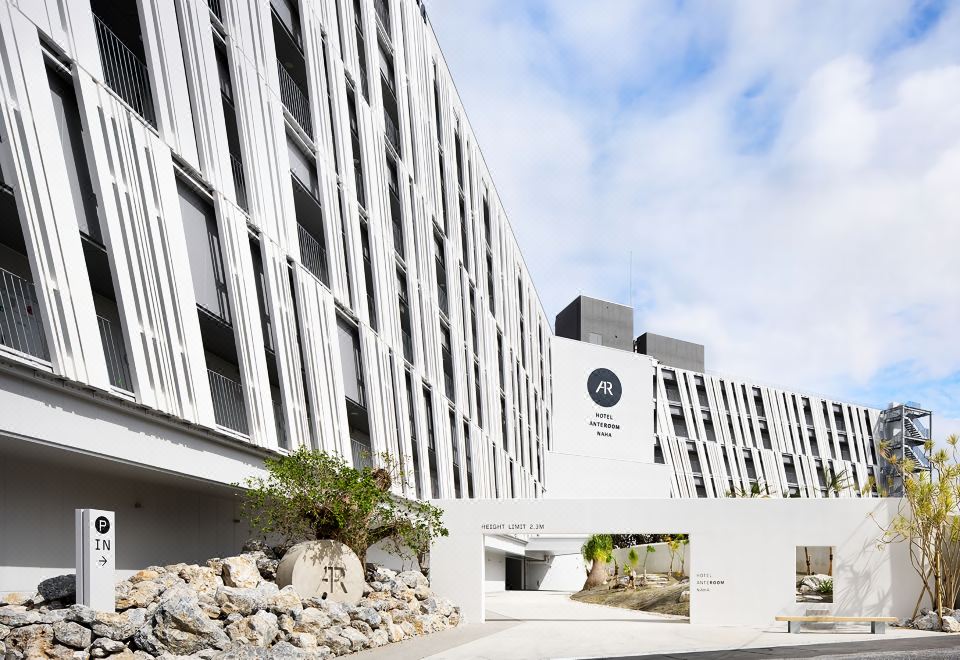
{"points": [[241, 572], [119, 626], [928, 621], [261, 629], [325, 569], [72, 634], [240, 601], [950, 624], [62, 588], [413, 579], [181, 626]]}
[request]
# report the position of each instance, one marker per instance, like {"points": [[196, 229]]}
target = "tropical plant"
{"points": [[757, 489], [598, 550], [927, 520], [836, 482], [310, 495], [634, 558], [825, 587], [675, 544], [650, 551]]}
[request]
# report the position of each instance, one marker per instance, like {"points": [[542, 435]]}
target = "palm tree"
{"points": [[598, 549], [836, 482], [650, 551]]}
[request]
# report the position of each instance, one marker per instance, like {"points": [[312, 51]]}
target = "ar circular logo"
{"points": [[604, 387], [101, 524]]}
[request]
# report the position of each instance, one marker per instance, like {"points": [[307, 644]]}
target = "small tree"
{"points": [[927, 521], [650, 551], [634, 558], [836, 482], [598, 549], [312, 495], [675, 544], [683, 553]]}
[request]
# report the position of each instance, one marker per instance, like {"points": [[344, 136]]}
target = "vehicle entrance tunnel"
{"points": [[735, 546]]}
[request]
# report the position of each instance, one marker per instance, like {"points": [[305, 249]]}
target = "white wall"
{"points": [[159, 520], [744, 565], [494, 571], [657, 561], [564, 572], [819, 560]]}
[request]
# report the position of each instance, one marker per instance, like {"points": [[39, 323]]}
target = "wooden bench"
{"points": [[878, 624]]}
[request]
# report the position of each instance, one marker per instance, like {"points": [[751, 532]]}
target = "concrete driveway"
{"points": [[547, 624]]}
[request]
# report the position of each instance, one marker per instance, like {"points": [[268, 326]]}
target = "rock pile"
{"points": [[229, 609], [930, 620]]}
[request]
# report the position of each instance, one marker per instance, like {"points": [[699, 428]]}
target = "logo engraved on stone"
{"points": [[334, 575], [604, 387]]}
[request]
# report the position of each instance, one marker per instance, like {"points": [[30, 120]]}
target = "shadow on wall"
{"points": [[159, 519]]}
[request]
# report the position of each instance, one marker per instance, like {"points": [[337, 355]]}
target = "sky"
{"points": [[781, 179]]}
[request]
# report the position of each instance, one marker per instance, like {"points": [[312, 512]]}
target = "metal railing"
{"points": [[362, 457], [124, 72], [383, 15], [20, 325], [391, 131], [239, 182], [118, 368], [228, 407], [295, 100], [312, 253], [281, 424], [216, 9]]}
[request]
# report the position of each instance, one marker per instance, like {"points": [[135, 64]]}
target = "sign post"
{"points": [[96, 548]]}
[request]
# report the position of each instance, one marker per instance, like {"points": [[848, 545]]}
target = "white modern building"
{"points": [[234, 227], [229, 228]]}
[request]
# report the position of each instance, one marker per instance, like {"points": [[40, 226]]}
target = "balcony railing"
{"points": [[383, 14], [407, 345], [295, 100], [281, 424], [312, 253], [239, 183], [216, 8], [118, 368], [228, 406], [391, 131], [124, 72], [361, 454], [20, 326]]}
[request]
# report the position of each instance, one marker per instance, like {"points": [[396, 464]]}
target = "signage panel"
{"points": [[602, 402], [96, 559]]}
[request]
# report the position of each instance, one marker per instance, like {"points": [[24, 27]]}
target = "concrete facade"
{"points": [[596, 322], [671, 352], [742, 551]]}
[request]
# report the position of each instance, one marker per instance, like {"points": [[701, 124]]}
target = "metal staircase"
{"points": [[905, 428]]}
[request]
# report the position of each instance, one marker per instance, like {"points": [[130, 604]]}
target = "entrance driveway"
{"points": [[546, 624]]}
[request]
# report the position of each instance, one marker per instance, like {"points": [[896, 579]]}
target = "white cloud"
{"points": [[787, 179]]}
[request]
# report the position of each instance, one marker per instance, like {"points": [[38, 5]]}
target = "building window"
{"points": [[431, 445], [447, 357], [455, 453]]}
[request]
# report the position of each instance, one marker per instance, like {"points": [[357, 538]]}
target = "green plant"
{"points": [[634, 558], [836, 482], [927, 520], [675, 544], [598, 550], [825, 587], [650, 551], [757, 489], [309, 495]]}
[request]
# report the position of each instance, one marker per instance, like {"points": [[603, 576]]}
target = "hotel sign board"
{"points": [[602, 402]]}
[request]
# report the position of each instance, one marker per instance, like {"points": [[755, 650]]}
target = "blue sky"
{"points": [[783, 176]]}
